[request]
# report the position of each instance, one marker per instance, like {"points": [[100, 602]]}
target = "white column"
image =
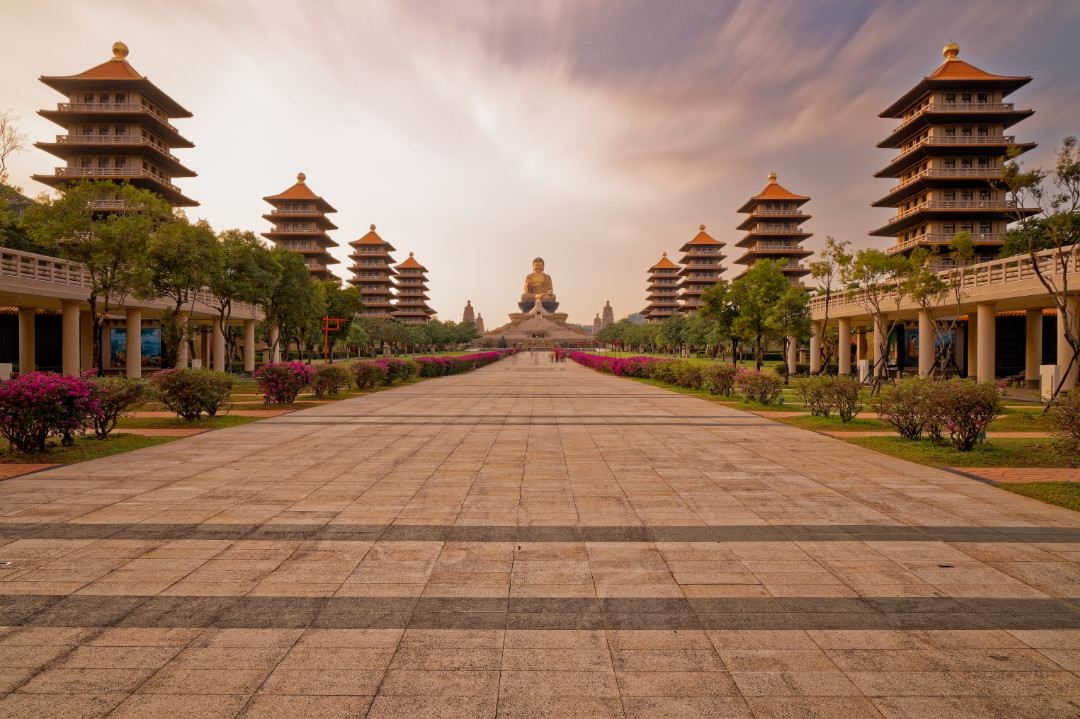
{"points": [[815, 347], [86, 340], [927, 351], [133, 329], [879, 350], [791, 351], [843, 345], [1064, 351], [182, 319], [1033, 347], [69, 338], [219, 347], [972, 366], [275, 352], [27, 339], [249, 345], [860, 346], [987, 337]]}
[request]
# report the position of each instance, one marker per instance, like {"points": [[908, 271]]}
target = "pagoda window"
{"points": [[950, 131], [103, 98], [103, 162], [967, 195], [949, 194], [121, 97], [88, 162], [950, 162], [966, 227], [965, 131], [985, 228], [103, 130], [948, 229], [120, 162], [984, 162], [950, 97], [965, 97], [984, 195], [88, 97], [88, 129], [966, 162]]}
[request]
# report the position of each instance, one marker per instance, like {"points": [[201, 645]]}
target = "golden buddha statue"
{"points": [[538, 284]]}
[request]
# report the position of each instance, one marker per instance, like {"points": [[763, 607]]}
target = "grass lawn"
{"points": [[1063, 494], [1019, 420], [994, 453], [734, 401], [833, 424], [229, 420], [84, 448]]}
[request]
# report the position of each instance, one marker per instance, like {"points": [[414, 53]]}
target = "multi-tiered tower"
{"points": [[480, 323], [468, 315], [597, 324], [373, 273], [701, 269], [609, 314], [773, 232], [300, 225], [663, 291], [952, 144], [412, 305], [117, 128]]}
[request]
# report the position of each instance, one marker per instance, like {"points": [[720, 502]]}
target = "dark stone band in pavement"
{"points": [[760, 613], [539, 533]]}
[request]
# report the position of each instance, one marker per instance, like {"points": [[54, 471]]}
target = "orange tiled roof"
{"points": [[372, 239], [664, 264], [115, 69], [409, 264], [956, 69], [301, 191], [702, 238], [775, 191]]}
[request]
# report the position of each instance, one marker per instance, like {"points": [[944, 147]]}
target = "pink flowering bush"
{"points": [[190, 393], [36, 405], [966, 408], [909, 406], [281, 382], [719, 378], [329, 378], [115, 397], [440, 366], [763, 387], [370, 374]]}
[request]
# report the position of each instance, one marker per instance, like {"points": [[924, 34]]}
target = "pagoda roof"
{"points": [[300, 191], [664, 264], [116, 74], [773, 192], [371, 238], [411, 264], [954, 73], [701, 238]]}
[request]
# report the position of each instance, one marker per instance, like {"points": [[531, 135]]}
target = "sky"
{"points": [[596, 134]]}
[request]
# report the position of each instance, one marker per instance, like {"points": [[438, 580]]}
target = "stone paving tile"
{"points": [[530, 540]]}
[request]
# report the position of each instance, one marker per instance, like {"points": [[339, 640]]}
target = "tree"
{"points": [[931, 289], [789, 319], [873, 278], [1056, 195], [180, 259], [234, 279], [721, 310], [111, 244], [835, 259], [13, 141], [756, 293], [670, 334]]}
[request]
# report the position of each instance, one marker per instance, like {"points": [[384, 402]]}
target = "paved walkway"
{"points": [[530, 540]]}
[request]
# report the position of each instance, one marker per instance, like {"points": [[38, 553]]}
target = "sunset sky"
{"points": [[596, 134]]}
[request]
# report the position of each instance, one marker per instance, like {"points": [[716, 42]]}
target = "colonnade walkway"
{"points": [[530, 540]]}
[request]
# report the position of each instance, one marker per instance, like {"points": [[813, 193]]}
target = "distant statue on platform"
{"points": [[538, 285]]}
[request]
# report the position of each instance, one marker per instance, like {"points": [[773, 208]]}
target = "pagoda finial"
{"points": [[410, 254], [665, 254], [951, 51], [772, 178], [702, 228], [119, 51], [301, 177], [373, 228]]}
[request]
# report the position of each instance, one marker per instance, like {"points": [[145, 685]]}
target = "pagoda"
{"points": [[412, 305], [373, 273], [597, 324], [663, 291], [952, 146], [300, 225], [468, 315], [116, 125], [701, 269], [773, 232], [609, 314], [480, 323]]}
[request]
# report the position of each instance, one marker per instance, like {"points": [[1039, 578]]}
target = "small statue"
{"points": [[538, 284]]}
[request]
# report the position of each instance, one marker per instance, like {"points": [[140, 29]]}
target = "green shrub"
{"points": [[190, 393], [909, 406], [844, 394], [370, 374], [719, 378], [966, 408], [1063, 419], [329, 379], [687, 374], [763, 387], [813, 392], [115, 397]]}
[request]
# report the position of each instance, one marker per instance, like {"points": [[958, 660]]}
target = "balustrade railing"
{"points": [[957, 140], [951, 107], [123, 107], [108, 172], [955, 205], [943, 238], [977, 173]]}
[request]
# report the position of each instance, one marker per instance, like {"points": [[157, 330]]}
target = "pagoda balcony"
{"points": [[70, 113], [943, 238], [115, 140], [943, 209], [112, 107], [951, 173], [103, 173], [309, 213], [962, 110], [779, 246], [958, 144]]}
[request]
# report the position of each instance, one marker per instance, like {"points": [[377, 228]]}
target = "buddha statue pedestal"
{"points": [[539, 324]]}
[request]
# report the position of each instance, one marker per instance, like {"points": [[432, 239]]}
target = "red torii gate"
{"points": [[326, 333]]}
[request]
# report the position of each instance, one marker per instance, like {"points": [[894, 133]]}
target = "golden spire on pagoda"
{"points": [[951, 51], [119, 51]]}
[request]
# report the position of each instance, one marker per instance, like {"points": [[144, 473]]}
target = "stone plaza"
{"points": [[532, 539]]}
